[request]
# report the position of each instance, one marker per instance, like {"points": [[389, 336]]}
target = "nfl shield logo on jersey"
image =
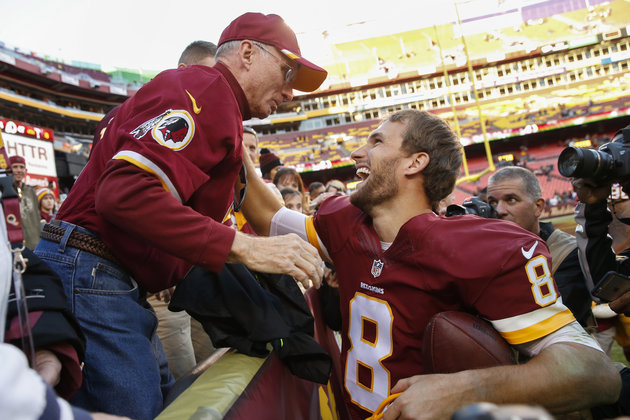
{"points": [[377, 267]]}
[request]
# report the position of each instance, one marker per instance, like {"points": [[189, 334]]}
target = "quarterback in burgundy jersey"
{"points": [[435, 264], [398, 264]]}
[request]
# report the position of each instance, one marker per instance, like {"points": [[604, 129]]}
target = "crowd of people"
{"points": [[172, 185]]}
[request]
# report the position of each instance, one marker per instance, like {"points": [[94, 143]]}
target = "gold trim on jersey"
{"points": [[534, 325], [311, 234], [240, 220]]}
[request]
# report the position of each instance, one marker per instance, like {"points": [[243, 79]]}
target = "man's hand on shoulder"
{"points": [[286, 254]]}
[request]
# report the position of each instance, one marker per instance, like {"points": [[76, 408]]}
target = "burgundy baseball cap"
{"points": [[16, 159], [271, 29]]}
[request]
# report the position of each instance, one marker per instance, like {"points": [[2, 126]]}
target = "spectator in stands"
{"points": [[150, 202], [250, 143], [292, 199], [516, 195], [288, 178], [385, 235], [29, 206], [184, 341], [336, 186], [316, 195], [46, 199], [269, 164], [315, 189]]}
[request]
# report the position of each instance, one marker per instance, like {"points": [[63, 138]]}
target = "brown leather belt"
{"points": [[79, 240]]}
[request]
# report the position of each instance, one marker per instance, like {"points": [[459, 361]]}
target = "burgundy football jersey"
{"points": [[169, 157], [435, 264]]}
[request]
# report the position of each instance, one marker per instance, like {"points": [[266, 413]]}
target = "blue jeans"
{"points": [[125, 371]]}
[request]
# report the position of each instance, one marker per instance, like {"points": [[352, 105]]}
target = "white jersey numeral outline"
{"points": [[367, 354]]}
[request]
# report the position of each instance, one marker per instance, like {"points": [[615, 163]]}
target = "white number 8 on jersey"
{"points": [[370, 336]]}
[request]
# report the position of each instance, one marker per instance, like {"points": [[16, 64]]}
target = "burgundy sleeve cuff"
{"points": [[217, 248]]}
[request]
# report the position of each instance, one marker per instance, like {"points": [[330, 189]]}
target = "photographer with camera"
{"points": [[601, 179], [515, 194], [603, 234]]}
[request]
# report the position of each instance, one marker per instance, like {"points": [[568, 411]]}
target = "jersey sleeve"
{"points": [[322, 230], [128, 196], [332, 219], [287, 221], [522, 302], [519, 296], [179, 127]]}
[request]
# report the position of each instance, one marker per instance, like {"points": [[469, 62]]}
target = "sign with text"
{"points": [[16, 127], [39, 154]]}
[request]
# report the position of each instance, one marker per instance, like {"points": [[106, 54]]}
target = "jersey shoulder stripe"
{"points": [[142, 162], [534, 325]]}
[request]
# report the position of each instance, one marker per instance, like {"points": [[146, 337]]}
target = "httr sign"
{"points": [[35, 145]]}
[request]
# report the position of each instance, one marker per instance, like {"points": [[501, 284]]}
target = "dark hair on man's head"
{"points": [[313, 186], [430, 134], [288, 193], [197, 51]]}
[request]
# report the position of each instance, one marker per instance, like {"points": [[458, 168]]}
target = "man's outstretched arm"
{"points": [[260, 204], [122, 196]]}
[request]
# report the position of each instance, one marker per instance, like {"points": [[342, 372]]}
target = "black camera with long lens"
{"points": [[611, 162], [473, 205]]}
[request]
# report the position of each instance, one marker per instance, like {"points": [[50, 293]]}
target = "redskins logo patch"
{"points": [[174, 130]]}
